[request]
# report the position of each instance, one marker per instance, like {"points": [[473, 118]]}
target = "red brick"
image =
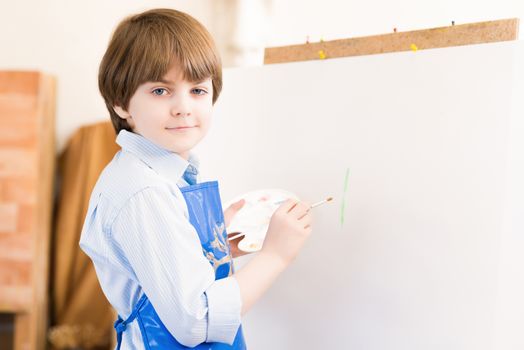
{"points": [[21, 190], [8, 217], [16, 162]]}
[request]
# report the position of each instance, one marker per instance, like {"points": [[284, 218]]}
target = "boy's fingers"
{"points": [[232, 210], [306, 220], [305, 215], [238, 205], [300, 210], [288, 205]]}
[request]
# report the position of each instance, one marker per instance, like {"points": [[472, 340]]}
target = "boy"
{"points": [[157, 238]]}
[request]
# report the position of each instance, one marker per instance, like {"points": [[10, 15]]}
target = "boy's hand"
{"points": [[229, 213], [233, 245], [289, 228]]}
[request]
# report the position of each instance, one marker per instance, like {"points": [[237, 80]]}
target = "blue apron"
{"points": [[205, 214]]}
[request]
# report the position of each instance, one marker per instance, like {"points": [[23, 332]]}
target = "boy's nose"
{"points": [[180, 109]]}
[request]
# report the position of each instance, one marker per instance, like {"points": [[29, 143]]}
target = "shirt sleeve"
{"points": [[165, 253]]}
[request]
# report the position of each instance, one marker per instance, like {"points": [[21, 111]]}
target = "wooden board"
{"points": [[27, 158], [456, 35]]}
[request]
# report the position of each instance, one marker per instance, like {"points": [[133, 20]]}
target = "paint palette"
{"points": [[253, 219]]}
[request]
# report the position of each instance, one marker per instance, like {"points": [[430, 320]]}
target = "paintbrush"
{"points": [[310, 207], [329, 199]]}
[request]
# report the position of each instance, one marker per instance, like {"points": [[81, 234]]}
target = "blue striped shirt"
{"points": [[138, 235]]}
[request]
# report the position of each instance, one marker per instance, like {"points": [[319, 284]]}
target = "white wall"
{"points": [[293, 20], [67, 38]]}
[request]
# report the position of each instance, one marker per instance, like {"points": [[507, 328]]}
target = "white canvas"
{"points": [[429, 254]]}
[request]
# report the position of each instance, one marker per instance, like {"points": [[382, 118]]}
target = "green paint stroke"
{"points": [[342, 209]]}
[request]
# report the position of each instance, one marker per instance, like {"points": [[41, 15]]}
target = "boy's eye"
{"points": [[199, 91], [160, 91]]}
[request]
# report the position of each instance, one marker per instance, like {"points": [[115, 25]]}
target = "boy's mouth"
{"points": [[181, 127]]}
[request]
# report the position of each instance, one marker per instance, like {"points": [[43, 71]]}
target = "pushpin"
{"points": [[395, 30], [413, 47], [452, 23], [321, 54]]}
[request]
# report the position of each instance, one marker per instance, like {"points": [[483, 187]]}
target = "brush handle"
{"points": [[318, 203], [312, 205], [235, 236]]}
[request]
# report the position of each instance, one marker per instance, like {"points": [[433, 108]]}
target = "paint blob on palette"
{"points": [[254, 217]]}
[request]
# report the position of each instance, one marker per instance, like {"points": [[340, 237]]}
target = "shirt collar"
{"points": [[166, 163]]}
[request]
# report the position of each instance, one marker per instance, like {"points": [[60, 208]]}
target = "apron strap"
{"points": [[120, 325]]}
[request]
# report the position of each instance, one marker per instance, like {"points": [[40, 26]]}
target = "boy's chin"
{"points": [[182, 151], [182, 147]]}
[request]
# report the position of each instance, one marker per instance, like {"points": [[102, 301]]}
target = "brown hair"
{"points": [[143, 48]]}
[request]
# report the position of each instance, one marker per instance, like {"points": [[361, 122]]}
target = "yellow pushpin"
{"points": [[321, 54], [413, 47]]}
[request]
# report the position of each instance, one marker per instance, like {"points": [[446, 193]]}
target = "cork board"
{"points": [[27, 153], [455, 35]]}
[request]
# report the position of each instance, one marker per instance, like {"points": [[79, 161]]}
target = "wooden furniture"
{"points": [[455, 35], [27, 160]]}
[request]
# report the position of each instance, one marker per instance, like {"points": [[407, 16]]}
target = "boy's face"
{"points": [[174, 113]]}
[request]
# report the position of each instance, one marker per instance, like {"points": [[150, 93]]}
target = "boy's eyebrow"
{"points": [[169, 82], [206, 80], [163, 81]]}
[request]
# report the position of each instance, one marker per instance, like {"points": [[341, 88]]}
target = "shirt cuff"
{"points": [[224, 306]]}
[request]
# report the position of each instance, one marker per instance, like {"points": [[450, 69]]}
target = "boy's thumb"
{"points": [[230, 212]]}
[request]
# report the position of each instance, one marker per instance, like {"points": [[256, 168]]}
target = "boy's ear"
{"points": [[122, 113]]}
